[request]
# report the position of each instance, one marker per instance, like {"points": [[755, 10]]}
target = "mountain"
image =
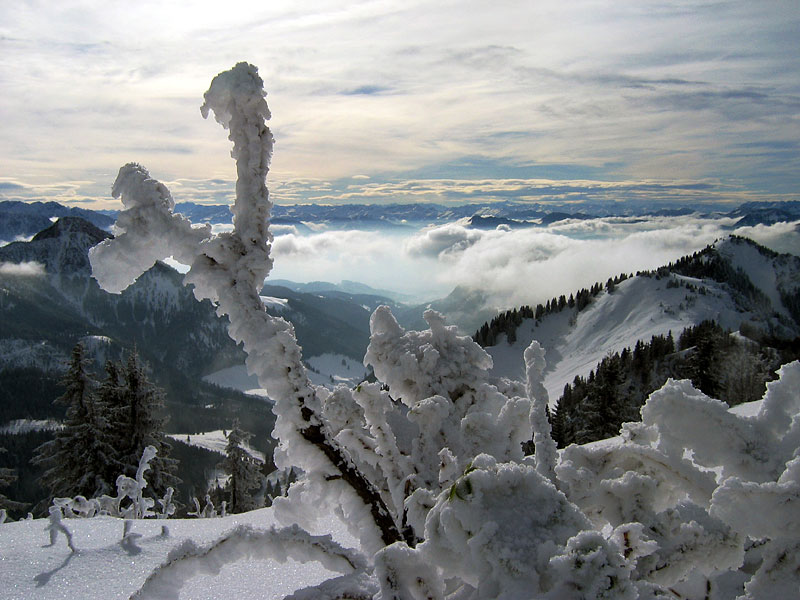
{"points": [[23, 219], [311, 217], [765, 213], [47, 311], [61, 247], [346, 286], [326, 321], [735, 282]]}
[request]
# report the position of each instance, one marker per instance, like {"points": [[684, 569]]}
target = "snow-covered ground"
{"points": [[327, 369], [214, 441], [103, 569], [277, 304], [237, 378], [332, 369]]}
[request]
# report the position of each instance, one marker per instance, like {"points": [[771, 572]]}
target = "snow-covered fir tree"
{"points": [[79, 458], [111, 396]]}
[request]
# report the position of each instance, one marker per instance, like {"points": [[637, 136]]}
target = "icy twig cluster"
{"points": [[129, 503], [427, 466]]}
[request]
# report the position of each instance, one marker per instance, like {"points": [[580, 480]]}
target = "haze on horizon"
{"points": [[688, 102]]}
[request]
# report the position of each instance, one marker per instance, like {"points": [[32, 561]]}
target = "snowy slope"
{"points": [[332, 369], [639, 308], [769, 273], [327, 369], [103, 569], [216, 441], [237, 378]]}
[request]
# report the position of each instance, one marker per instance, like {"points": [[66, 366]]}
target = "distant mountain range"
{"points": [[20, 220], [307, 217], [479, 216], [24, 219]]}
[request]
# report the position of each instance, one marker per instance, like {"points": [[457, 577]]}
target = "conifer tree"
{"points": [[244, 471], [7, 477], [113, 399], [78, 459], [142, 401]]}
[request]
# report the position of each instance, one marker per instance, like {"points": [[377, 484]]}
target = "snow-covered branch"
{"points": [[245, 542]]}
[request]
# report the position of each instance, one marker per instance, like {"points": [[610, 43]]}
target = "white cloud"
{"points": [[450, 238], [780, 237], [634, 90], [527, 266], [519, 266], [24, 269], [374, 258]]}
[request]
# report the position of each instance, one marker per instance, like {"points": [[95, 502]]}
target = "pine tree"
{"points": [[113, 399], [244, 471], [77, 460], [140, 403], [7, 477]]}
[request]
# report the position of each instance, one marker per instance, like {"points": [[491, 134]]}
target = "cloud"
{"points": [[450, 238], [24, 269], [781, 237], [372, 257], [629, 92], [513, 266], [527, 266]]}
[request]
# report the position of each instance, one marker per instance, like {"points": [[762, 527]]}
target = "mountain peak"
{"points": [[69, 226], [62, 248]]}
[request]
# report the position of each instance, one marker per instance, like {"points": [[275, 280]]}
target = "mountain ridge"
{"points": [[655, 303]]}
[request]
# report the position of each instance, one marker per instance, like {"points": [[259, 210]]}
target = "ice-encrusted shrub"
{"points": [[129, 503], [426, 467]]}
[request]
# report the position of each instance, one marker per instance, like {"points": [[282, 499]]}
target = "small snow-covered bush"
{"points": [[129, 503], [426, 467]]}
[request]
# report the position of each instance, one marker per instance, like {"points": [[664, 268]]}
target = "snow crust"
{"points": [[102, 569]]}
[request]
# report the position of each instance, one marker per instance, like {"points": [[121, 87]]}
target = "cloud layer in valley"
{"points": [[514, 267]]}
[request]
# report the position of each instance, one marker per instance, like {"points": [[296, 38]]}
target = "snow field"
{"points": [[103, 569]]}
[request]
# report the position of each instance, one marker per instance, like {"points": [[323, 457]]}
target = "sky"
{"points": [[414, 101]]}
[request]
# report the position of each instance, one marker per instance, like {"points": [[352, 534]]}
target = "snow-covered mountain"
{"points": [[49, 302], [157, 313], [765, 213], [745, 284]]}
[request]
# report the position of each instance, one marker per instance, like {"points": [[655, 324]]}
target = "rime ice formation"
{"points": [[427, 469]]}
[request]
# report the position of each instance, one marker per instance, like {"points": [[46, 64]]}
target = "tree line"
{"points": [[106, 427], [508, 321], [719, 363]]}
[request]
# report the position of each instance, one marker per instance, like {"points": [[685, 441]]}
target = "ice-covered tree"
{"points": [[78, 459], [243, 470], [427, 468]]}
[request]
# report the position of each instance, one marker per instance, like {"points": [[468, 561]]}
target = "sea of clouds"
{"points": [[514, 266]]}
